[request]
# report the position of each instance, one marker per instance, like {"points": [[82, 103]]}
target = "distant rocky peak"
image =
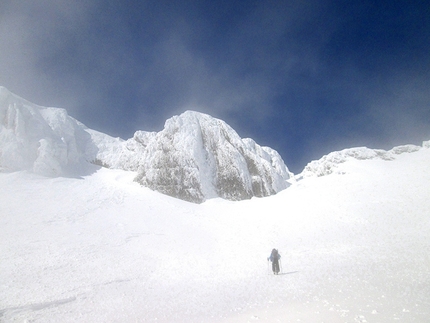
{"points": [[197, 156]]}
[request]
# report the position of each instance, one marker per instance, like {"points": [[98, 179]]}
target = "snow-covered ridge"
{"points": [[329, 163], [194, 157], [46, 141]]}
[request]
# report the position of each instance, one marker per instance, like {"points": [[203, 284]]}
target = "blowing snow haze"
{"points": [[305, 78]]}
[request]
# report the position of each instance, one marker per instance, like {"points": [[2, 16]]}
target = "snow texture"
{"points": [[355, 248]]}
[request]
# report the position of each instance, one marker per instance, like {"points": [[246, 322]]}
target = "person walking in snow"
{"points": [[274, 258]]}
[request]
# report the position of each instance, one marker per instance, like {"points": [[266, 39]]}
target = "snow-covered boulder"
{"points": [[328, 164], [118, 153], [46, 141], [196, 157]]}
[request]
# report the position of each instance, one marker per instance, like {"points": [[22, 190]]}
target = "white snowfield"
{"points": [[355, 247], [81, 243]]}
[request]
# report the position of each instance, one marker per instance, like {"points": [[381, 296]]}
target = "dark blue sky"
{"points": [[303, 77]]}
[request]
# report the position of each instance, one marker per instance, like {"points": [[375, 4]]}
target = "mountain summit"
{"points": [[195, 156]]}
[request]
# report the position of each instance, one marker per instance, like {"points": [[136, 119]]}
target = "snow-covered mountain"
{"points": [[197, 156], [194, 157]]}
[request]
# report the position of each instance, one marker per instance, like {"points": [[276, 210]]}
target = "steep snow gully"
{"points": [[99, 247]]}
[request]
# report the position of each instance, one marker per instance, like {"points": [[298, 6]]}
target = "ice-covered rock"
{"points": [[46, 141], [119, 153], [196, 157], [328, 164]]}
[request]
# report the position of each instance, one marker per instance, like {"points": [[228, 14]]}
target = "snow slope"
{"points": [[355, 248]]}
